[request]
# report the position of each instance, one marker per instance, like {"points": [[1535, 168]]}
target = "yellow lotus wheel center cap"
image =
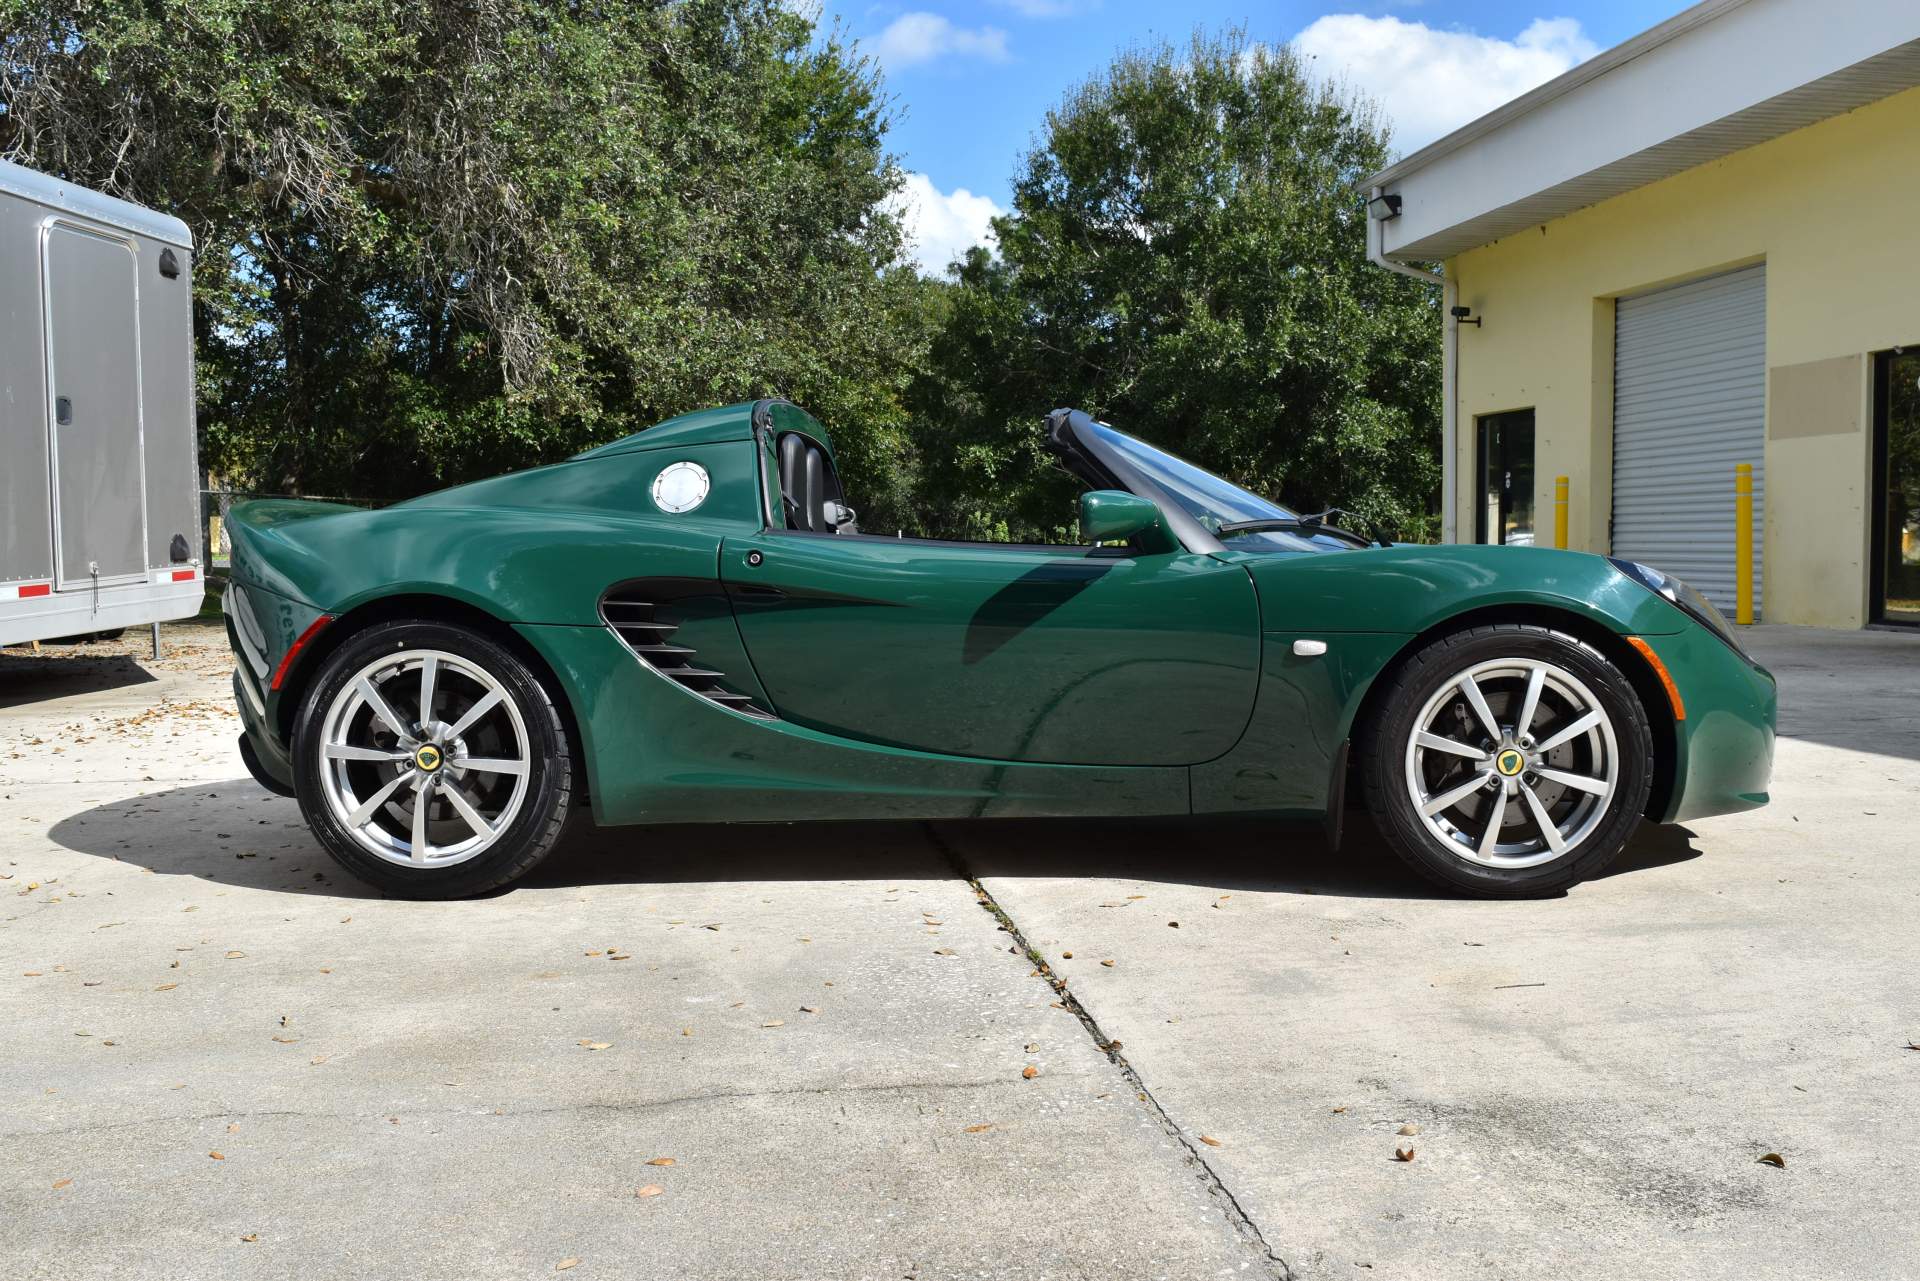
{"points": [[427, 758], [1509, 762]]}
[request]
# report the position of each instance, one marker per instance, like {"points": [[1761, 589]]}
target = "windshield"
{"points": [[1212, 501]]}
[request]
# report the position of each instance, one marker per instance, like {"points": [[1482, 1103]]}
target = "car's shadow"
{"points": [[235, 833]]}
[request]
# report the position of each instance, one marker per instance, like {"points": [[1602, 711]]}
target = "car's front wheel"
{"points": [[430, 761], [1508, 761]]}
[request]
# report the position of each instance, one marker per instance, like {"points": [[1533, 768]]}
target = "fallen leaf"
{"points": [[317, 1059], [661, 1160], [564, 1264], [62, 1183], [234, 1128], [1210, 1141], [1066, 956], [93, 983], [251, 1236], [1408, 1129], [597, 1045], [218, 1156], [652, 1189], [1339, 1110], [1403, 1154], [287, 1040], [595, 952], [1030, 1071], [30, 974], [981, 1128], [1108, 964], [1173, 925], [234, 956], [943, 951], [809, 1009], [1773, 1159], [1132, 897], [166, 987], [686, 1031], [774, 1023]]}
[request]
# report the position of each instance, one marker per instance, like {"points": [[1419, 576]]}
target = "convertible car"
{"points": [[689, 625]]}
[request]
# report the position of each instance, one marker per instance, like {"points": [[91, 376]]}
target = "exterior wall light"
{"points": [[1461, 314], [1384, 206]]}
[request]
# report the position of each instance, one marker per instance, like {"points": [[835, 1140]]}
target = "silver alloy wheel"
{"points": [[425, 758], [1512, 763]]}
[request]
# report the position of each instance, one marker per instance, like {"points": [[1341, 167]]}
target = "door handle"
{"points": [[759, 592], [63, 410]]}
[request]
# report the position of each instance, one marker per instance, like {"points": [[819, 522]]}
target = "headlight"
{"points": [[1684, 598]]}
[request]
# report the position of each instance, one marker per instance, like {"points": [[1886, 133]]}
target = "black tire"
{"points": [[535, 826], [1603, 827]]}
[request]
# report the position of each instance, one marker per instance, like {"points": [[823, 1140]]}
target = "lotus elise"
{"points": [[688, 625]]}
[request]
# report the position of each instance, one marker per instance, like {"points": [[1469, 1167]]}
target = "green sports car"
{"points": [[688, 625]]}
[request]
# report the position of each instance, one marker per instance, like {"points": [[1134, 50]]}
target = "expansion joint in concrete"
{"points": [[1242, 1223]]}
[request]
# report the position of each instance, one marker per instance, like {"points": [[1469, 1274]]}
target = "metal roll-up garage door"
{"points": [[1689, 402]]}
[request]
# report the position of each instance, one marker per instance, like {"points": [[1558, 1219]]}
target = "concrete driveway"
{"points": [[803, 1052]]}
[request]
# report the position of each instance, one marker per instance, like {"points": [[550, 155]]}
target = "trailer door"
{"points": [[93, 384]]}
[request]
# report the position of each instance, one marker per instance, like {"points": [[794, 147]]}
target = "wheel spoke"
{"points": [[1578, 782], [347, 752], [1491, 837], [429, 672], [486, 704], [1530, 703], [379, 705], [1478, 701], [1572, 731], [1435, 743], [489, 765], [373, 803], [1434, 804], [422, 798], [1544, 821], [465, 810]]}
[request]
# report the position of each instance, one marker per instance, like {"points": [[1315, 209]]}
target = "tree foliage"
{"points": [[1186, 258], [443, 239]]}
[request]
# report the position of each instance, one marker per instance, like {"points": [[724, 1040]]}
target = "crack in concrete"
{"points": [[1236, 1215]]}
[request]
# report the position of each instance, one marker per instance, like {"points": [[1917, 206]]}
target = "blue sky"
{"points": [[972, 81]]}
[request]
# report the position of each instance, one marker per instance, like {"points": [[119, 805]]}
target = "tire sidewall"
{"points": [[1430, 671], [549, 774]]}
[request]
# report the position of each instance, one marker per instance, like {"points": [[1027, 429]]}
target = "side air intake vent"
{"points": [[649, 627]]}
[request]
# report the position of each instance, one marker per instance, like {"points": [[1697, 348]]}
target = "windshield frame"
{"points": [[1089, 436]]}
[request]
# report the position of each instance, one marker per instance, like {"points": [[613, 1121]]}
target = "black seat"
{"points": [[807, 485]]}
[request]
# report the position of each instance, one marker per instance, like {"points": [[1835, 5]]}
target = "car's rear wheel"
{"points": [[1508, 761], [431, 762]]}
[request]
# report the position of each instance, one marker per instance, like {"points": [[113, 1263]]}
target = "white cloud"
{"points": [[1047, 8], [941, 228], [922, 37], [1431, 82]]}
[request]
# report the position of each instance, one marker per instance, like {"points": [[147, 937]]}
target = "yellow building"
{"points": [[1699, 249]]}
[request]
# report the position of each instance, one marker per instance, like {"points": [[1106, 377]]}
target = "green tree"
{"points": [[1186, 258], [440, 240]]}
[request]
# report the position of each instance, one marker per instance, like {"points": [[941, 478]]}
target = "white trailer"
{"points": [[99, 477]]}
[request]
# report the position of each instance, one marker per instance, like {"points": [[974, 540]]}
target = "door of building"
{"points": [[1504, 513], [1896, 488], [1689, 403]]}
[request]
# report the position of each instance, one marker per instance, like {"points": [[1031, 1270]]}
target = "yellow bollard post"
{"points": [[1560, 512], [1743, 543]]}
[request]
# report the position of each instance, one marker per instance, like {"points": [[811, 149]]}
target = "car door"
{"points": [[1062, 655]]}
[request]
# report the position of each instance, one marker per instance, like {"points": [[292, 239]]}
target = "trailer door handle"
{"points": [[63, 410]]}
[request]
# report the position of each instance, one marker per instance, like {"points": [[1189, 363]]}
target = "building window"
{"points": [[1504, 512]]}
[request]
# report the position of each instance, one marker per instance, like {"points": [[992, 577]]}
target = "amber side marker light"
{"points": [[293, 652], [1666, 677]]}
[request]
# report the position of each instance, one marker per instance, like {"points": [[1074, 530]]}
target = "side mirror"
{"points": [[1113, 515]]}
